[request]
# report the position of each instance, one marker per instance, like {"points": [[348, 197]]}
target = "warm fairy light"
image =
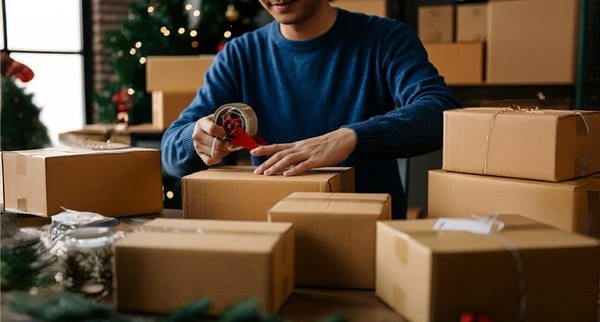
{"points": [[165, 31], [195, 44], [193, 33], [188, 6], [150, 9], [227, 34], [170, 194], [142, 60], [130, 91], [181, 30], [138, 44], [132, 51], [196, 13]]}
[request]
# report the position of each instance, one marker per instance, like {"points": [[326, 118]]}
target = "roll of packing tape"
{"points": [[241, 124]]}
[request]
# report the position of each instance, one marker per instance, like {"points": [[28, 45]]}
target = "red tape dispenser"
{"points": [[239, 120]]}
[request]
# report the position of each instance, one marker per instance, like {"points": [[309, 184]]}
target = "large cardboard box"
{"points": [[459, 63], [532, 41], [176, 73], [471, 22], [551, 145], [121, 182], [166, 107], [235, 192], [335, 236], [168, 263], [435, 23], [572, 205], [526, 272], [370, 7]]}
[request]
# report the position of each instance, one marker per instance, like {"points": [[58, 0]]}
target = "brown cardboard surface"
{"points": [[121, 182], [458, 63], [471, 22], [528, 270], [371, 7], [172, 262], [176, 73], [235, 192], [532, 41], [551, 145], [436, 23], [569, 205], [335, 236], [166, 107]]}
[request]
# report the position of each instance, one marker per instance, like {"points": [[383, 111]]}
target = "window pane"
{"points": [[43, 25], [57, 89]]}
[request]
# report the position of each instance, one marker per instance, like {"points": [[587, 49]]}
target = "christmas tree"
{"points": [[164, 27], [20, 123]]}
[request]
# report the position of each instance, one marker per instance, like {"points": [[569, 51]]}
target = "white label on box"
{"points": [[483, 225]]}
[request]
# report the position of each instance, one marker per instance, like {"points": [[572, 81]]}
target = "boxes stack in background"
{"points": [[371, 7], [513, 41], [173, 82], [542, 164], [113, 183], [236, 193], [169, 263], [335, 236], [528, 271]]}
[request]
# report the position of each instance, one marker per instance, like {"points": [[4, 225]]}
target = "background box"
{"points": [[459, 63], [166, 107], [572, 205], [528, 271], [169, 263], [532, 41], [335, 236], [235, 192], [370, 7], [113, 183], [471, 22], [435, 23], [176, 73], [551, 145]]}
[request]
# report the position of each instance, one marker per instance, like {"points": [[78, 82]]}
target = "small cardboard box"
{"points": [[471, 22], [166, 107], [436, 23], [526, 272], [572, 205], [169, 263], [335, 236], [532, 41], [551, 145], [458, 63], [121, 182], [370, 7], [176, 73], [235, 192]]}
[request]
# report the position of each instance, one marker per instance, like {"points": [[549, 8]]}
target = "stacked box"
{"points": [[235, 192], [458, 63], [370, 7], [335, 236], [169, 263], [526, 272], [173, 82], [113, 183]]}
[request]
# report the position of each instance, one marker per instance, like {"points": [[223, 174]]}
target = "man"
{"points": [[329, 87]]}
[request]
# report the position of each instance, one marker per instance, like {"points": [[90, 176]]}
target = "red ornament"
{"points": [[220, 46], [476, 317], [123, 103], [13, 68]]}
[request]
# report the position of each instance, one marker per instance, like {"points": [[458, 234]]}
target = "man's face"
{"points": [[292, 12]]}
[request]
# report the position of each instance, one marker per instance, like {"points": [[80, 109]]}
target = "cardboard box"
{"points": [[166, 107], [459, 63], [532, 41], [435, 23], [235, 192], [169, 263], [121, 182], [370, 7], [572, 205], [471, 22], [176, 73], [335, 236], [551, 145], [526, 272]]}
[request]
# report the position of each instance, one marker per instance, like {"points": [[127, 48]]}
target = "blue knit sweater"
{"points": [[366, 73]]}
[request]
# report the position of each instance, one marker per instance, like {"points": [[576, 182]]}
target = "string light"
{"points": [[227, 34], [150, 9], [130, 91], [165, 31], [181, 30], [138, 44], [196, 13], [195, 44], [142, 60], [132, 51], [188, 6], [193, 33]]}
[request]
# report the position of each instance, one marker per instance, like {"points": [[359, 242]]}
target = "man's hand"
{"points": [[208, 146], [300, 156]]}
